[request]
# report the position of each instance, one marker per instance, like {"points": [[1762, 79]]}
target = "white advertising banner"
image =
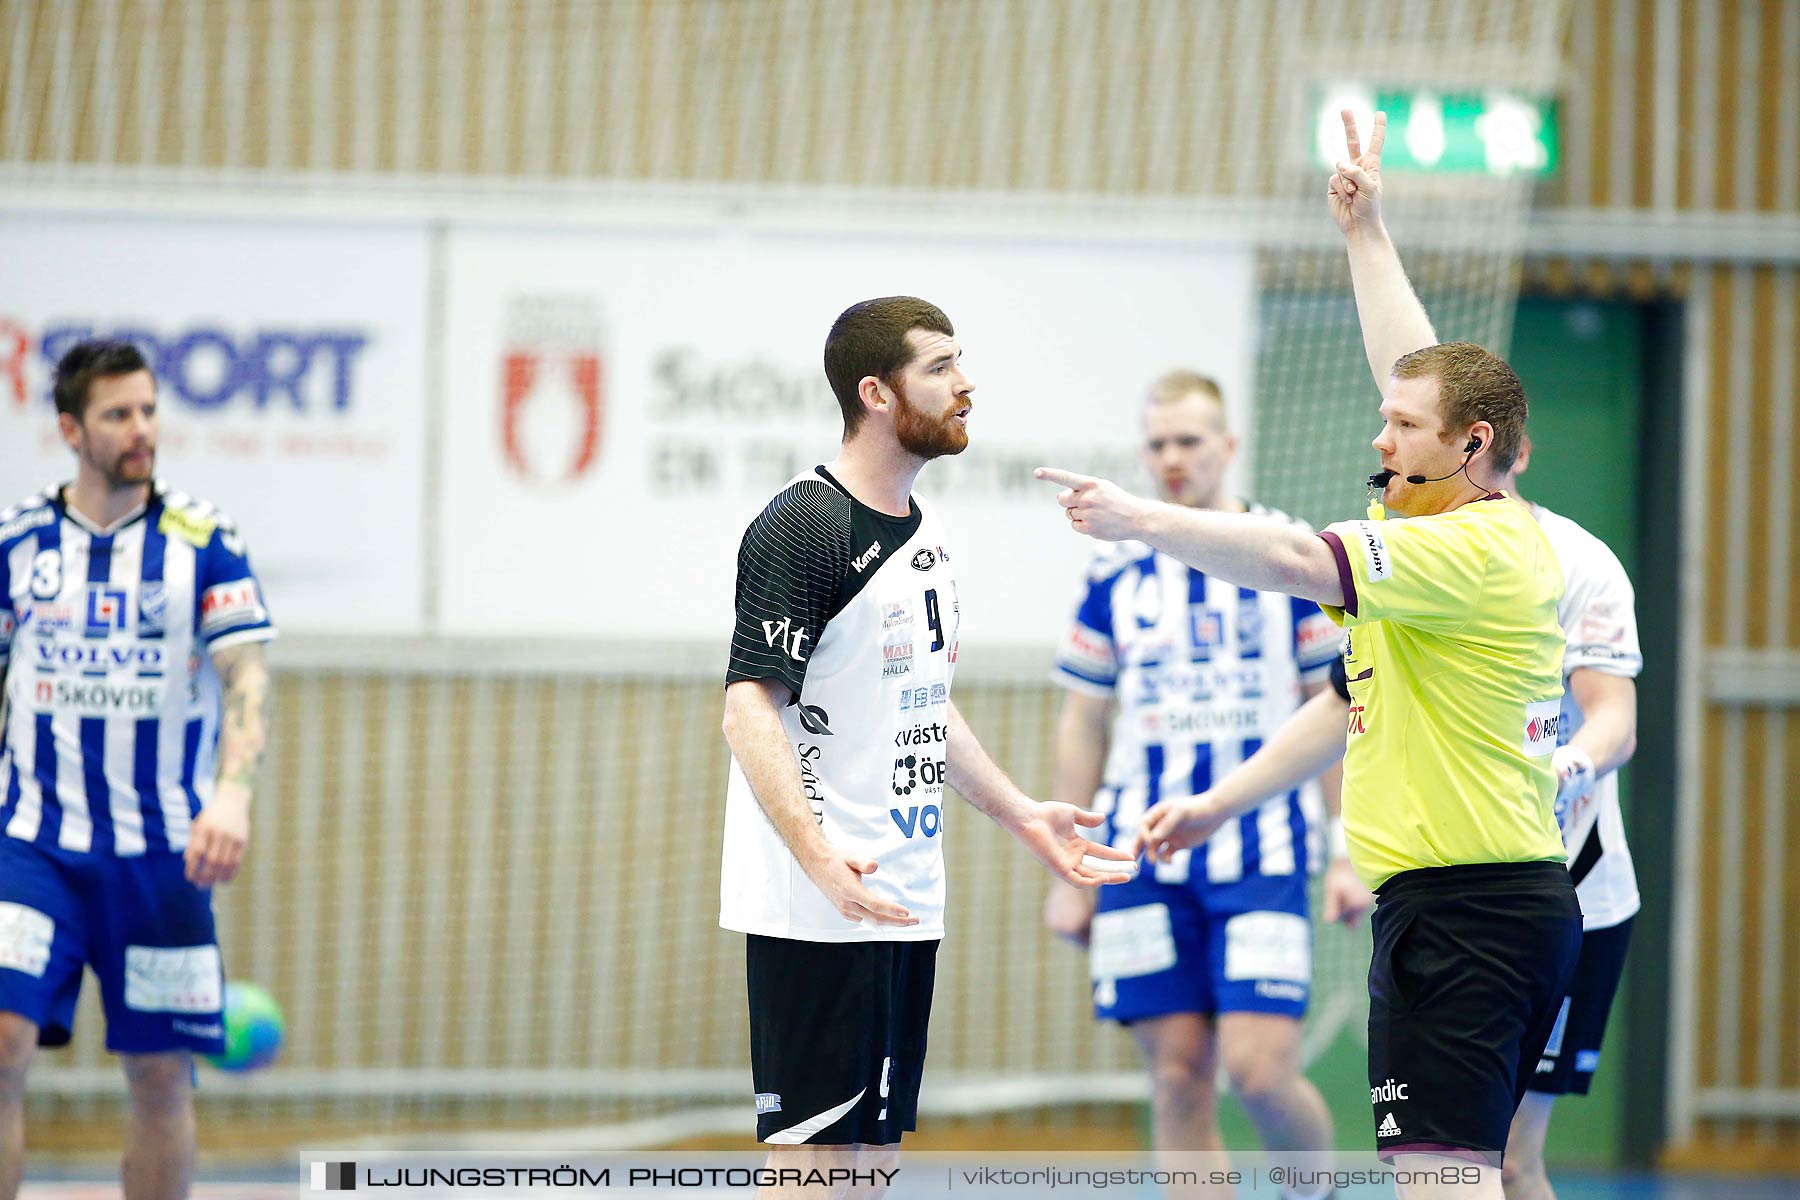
{"points": [[622, 403], [290, 360]]}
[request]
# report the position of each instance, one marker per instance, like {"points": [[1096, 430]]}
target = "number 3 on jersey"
{"points": [[936, 622], [46, 575]]}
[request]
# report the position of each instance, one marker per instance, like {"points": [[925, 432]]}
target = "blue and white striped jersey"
{"points": [[1202, 673], [111, 703]]}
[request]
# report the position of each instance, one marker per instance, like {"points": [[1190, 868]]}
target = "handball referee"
{"points": [[1454, 664]]}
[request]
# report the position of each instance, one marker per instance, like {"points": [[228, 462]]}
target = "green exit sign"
{"points": [[1492, 132]]}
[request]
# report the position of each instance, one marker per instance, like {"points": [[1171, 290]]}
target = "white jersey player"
{"points": [[1597, 734], [843, 736]]}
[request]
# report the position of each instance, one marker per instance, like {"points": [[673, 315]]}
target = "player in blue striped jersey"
{"points": [[1174, 678], [134, 717]]}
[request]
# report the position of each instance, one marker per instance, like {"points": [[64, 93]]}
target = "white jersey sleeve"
{"points": [[1599, 624]]}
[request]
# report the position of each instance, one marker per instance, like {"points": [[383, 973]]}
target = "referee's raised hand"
{"points": [[839, 876], [1354, 192], [1097, 507]]}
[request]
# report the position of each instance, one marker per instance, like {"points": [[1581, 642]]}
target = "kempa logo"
{"points": [[334, 1177], [1388, 1092], [866, 557], [786, 637]]}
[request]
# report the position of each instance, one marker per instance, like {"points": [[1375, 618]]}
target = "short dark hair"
{"points": [[1474, 384], [869, 338], [87, 361]]}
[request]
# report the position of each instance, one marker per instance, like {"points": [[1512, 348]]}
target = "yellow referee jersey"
{"points": [[1455, 669]]}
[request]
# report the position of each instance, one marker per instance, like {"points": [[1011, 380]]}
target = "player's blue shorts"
{"points": [[144, 929], [1197, 947]]}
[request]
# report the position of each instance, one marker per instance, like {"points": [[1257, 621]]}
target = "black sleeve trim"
{"points": [[791, 564]]}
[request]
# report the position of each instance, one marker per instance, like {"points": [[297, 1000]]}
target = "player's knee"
{"points": [[829, 1159], [1258, 1078], [1524, 1162], [878, 1158], [1182, 1082], [1520, 1169], [161, 1086]]}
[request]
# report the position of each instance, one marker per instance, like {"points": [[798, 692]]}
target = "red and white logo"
{"points": [[1543, 721], [229, 604], [552, 398]]}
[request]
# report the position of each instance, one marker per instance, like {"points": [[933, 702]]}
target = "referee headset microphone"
{"points": [[1380, 478]]}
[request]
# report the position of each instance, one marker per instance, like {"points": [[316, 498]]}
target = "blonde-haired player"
{"points": [[1172, 679]]}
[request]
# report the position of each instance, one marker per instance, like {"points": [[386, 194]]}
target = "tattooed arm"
{"points": [[216, 843]]}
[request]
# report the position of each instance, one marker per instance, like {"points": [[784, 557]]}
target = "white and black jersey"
{"points": [[1599, 619], [857, 613]]}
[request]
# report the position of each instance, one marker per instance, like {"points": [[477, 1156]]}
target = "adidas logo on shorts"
{"points": [[1389, 1127]]}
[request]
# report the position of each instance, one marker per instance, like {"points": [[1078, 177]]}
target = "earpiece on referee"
{"points": [[1468, 453]]}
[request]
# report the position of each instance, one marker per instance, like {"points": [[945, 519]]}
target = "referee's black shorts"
{"points": [[1470, 967], [837, 1038]]}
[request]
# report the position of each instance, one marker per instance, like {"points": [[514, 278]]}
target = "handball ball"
{"points": [[253, 1029]]}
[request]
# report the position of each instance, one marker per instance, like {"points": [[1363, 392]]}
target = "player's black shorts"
{"points": [[837, 1038], [1470, 967], [1573, 1051]]}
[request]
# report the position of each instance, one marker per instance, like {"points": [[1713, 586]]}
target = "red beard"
{"points": [[925, 436]]}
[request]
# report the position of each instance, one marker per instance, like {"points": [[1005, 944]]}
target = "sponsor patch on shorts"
{"points": [[25, 937], [1268, 945], [181, 979], [1129, 942]]}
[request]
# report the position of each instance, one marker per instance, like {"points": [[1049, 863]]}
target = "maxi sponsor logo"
{"points": [[228, 604], [896, 659]]}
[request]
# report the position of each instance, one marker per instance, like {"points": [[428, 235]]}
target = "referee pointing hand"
{"points": [[1453, 666]]}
